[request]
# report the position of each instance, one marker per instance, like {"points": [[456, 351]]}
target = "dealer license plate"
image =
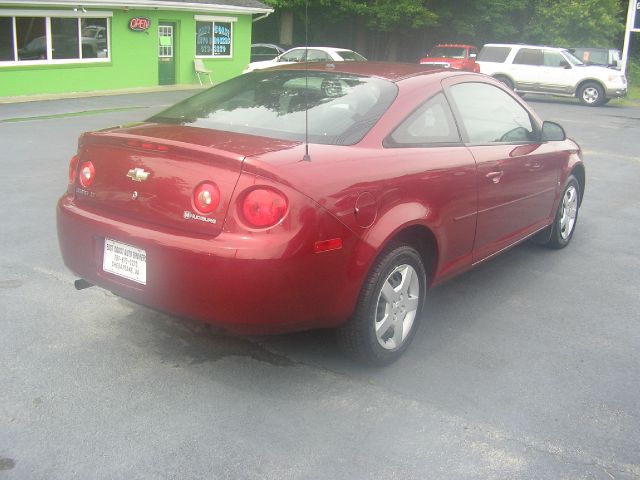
{"points": [[125, 261]]}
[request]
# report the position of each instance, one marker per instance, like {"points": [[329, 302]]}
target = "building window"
{"points": [[214, 38], [27, 40]]}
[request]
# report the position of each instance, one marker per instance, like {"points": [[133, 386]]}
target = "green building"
{"points": [[61, 46]]}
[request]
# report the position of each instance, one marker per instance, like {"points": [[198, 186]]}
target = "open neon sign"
{"points": [[139, 24]]}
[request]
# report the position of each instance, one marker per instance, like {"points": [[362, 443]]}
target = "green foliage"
{"points": [[575, 22]]}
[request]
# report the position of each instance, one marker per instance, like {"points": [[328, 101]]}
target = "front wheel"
{"points": [[591, 94], [388, 308], [566, 216]]}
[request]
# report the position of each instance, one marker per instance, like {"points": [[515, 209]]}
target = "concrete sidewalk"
{"points": [[98, 93]]}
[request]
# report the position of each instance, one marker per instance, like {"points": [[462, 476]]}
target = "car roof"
{"points": [[520, 45], [460, 45], [391, 71], [324, 49]]}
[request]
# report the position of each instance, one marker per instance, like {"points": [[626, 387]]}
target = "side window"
{"points": [[494, 54], [490, 115], [293, 56], [430, 124], [317, 56], [554, 59], [528, 56]]}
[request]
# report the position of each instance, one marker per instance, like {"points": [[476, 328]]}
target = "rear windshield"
{"points": [[350, 56], [493, 54], [448, 52], [341, 108]]}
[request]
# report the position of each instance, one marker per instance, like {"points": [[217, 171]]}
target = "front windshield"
{"points": [[341, 108], [447, 52], [572, 58]]}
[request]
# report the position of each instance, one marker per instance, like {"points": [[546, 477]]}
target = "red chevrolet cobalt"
{"points": [[321, 196]]}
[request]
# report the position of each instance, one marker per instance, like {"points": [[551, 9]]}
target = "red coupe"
{"points": [[317, 196]]}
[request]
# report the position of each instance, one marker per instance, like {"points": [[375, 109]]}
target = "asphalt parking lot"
{"points": [[526, 367]]}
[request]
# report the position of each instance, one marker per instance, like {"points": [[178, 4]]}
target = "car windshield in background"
{"points": [[341, 108], [447, 52], [349, 56]]}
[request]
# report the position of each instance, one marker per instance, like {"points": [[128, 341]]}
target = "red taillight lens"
{"points": [[206, 197], [73, 167], [264, 207], [87, 174]]}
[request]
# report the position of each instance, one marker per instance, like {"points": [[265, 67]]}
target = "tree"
{"points": [[575, 22]]}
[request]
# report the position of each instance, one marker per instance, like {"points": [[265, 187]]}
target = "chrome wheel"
{"points": [[590, 95], [569, 212], [397, 307]]}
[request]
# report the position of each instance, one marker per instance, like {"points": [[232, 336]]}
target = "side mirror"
{"points": [[473, 55], [552, 132]]}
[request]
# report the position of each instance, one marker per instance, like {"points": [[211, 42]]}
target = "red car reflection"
{"points": [[321, 196]]}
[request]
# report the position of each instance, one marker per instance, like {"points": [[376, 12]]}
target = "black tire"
{"points": [[375, 334], [506, 80], [591, 94], [566, 218]]}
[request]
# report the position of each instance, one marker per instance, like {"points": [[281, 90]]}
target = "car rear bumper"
{"points": [[240, 283]]}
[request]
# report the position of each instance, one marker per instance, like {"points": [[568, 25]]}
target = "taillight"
{"points": [[206, 197], [73, 167], [87, 174], [264, 207]]}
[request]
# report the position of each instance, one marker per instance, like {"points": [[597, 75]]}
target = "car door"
{"points": [[526, 69], [557, 73], [517, 175]]}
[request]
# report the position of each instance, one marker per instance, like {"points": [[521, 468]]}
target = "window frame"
{"points": [[213, 20], [535, 125], [389, 142], [48, 15]]}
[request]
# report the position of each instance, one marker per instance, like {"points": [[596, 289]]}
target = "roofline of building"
{"points": [[148, 4]]}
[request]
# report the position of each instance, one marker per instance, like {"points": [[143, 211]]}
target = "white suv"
{"points": [[551, 71]]}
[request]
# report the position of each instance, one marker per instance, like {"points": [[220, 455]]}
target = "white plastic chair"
{"points": [[201, 70]]}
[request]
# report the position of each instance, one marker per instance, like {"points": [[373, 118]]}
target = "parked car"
{"points": [[458, 57], [308, 54], [315, 196], [605, 57], [265, 51], [551, 71]]}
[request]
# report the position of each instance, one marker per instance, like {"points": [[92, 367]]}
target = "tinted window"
{"points": [[448, 52], [494, 54], [6, 38], [528, 56], [432, 123], [341, 108], [491, 115]]}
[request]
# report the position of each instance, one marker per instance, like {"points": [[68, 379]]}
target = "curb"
{"points": [[97, 93]]}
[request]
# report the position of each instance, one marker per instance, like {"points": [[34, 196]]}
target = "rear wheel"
{"points": [[507, 81], [388, 309], [591, 94], [566, 216]]}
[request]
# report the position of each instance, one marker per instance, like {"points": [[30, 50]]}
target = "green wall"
{"points": [[134, 58]]}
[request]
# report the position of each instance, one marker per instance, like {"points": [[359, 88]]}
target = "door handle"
{"points": [[495, 176]]}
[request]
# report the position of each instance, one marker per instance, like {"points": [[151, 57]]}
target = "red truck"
{"points": [[458, 57]]}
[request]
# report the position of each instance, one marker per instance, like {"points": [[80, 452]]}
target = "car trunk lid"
{"points": [[149, 172]]}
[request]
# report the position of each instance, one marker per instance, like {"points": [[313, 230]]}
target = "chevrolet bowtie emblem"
{"points": [[138, 174]]}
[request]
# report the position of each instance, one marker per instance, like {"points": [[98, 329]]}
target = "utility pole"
{"points": [[632, 26]]}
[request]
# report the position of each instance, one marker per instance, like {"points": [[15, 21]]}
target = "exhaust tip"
{"points": [[81, 284]]}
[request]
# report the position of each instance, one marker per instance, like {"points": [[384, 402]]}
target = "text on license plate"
{"points": [[125, 261]]}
